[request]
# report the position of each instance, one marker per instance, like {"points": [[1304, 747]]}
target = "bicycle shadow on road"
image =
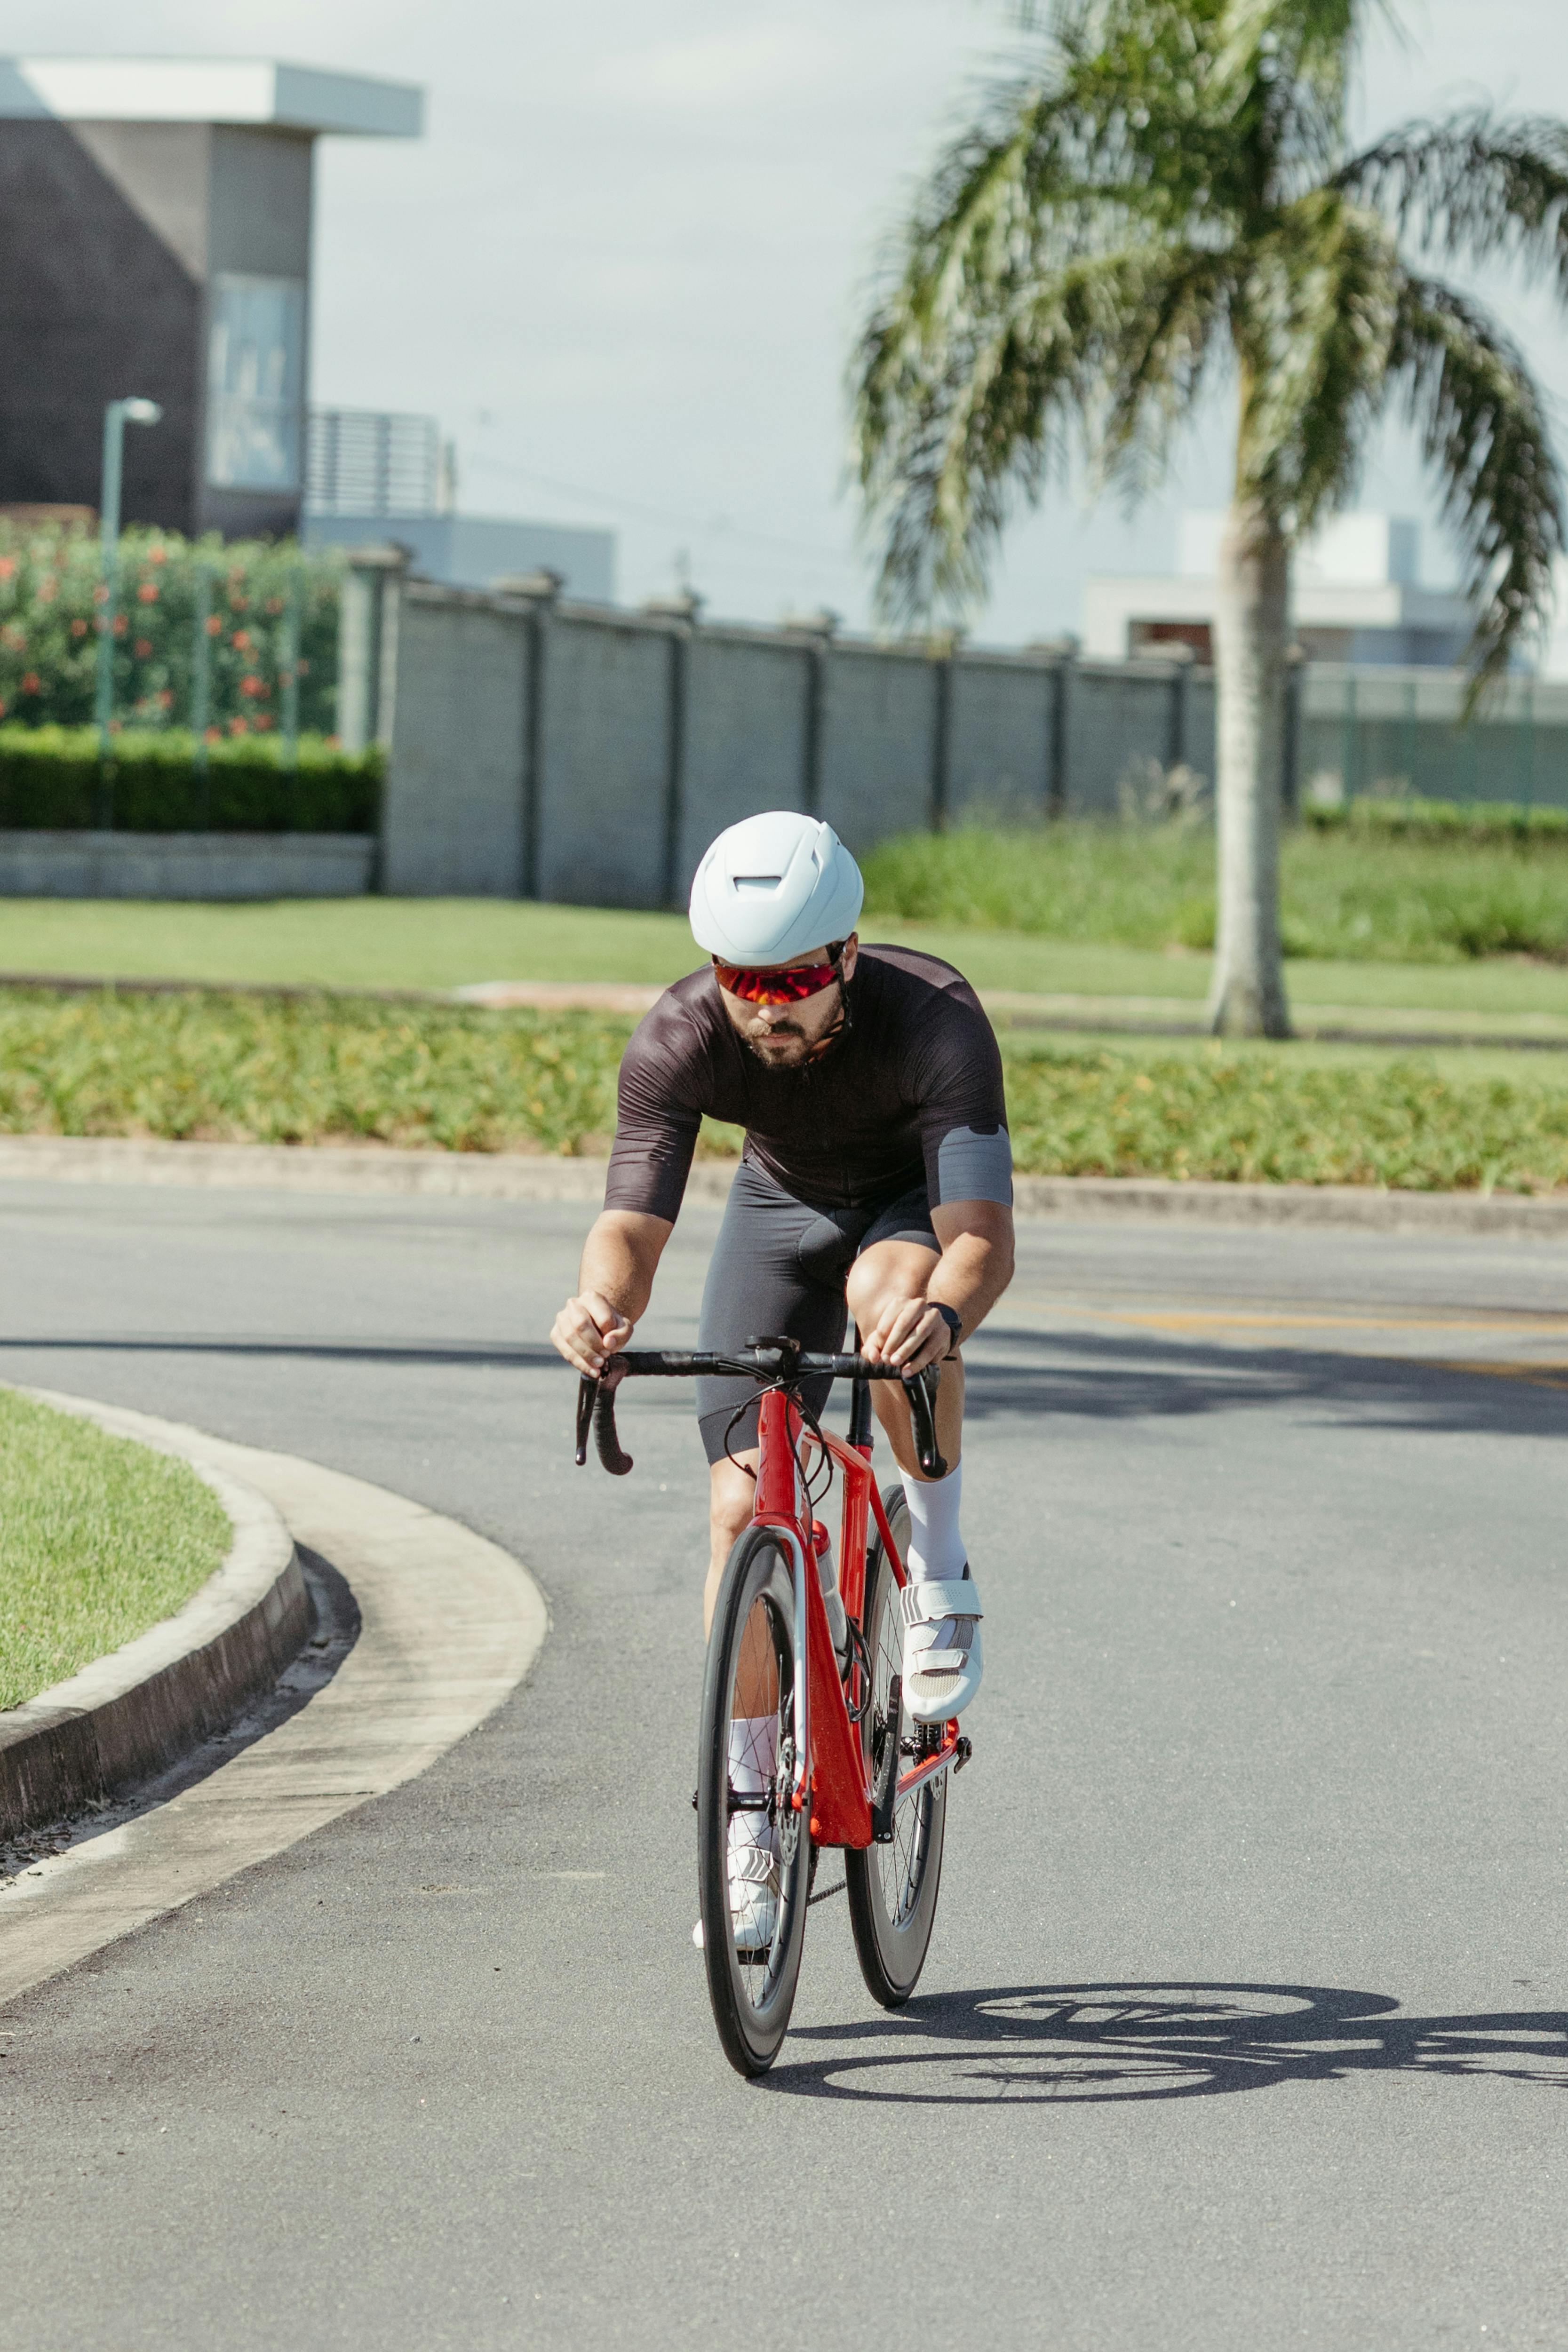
{"points": [[1133, 1377], [1088, 2044]]}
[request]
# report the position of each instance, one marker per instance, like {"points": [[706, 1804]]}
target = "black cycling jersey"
{"points": [[909, 1092]]}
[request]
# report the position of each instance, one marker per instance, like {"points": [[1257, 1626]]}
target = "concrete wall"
{"points": [[186, 864], [588, 755], [454, 824]]}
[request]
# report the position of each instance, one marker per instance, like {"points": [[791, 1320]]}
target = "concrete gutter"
{"points": [[132, 1714], [450, 1625], [520, 1176]]}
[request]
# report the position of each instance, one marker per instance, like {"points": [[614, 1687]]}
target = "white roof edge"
{"points": [[209, 89]]}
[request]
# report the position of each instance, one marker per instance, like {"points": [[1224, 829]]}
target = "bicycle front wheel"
{"points": [[754, 1849], [892, 1887]]}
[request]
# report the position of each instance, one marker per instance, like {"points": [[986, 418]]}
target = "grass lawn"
{"points": [[100, 1537], [437, 943], [317, 1070]]}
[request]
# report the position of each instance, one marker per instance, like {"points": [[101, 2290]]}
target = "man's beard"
{"points": [[783, 1033]]}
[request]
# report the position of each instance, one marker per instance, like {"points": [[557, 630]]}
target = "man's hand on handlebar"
{"points": [[587, 1331], [913, 1337]]}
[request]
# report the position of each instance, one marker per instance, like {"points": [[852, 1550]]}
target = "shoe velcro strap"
{"points": [[938, 1661], [927, 1604], [753, 1865]]}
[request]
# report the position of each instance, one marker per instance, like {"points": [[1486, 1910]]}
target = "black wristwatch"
{"points": [[949, 1315]]}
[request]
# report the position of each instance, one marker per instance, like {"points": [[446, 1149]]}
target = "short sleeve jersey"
{"points": [[912, 1092]]}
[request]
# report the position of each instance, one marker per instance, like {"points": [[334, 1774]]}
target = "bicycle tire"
{"points": [[892, 1889], [751, 1993]]}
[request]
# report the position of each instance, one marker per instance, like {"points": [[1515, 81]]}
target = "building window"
{"points": [[255, 372]]}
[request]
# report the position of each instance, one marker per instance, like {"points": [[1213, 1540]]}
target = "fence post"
{"points": [[540, 590], [1064, 656], [201, 688], [367, 644], [1290, 765], [819, 629], [290, 665], [682, 612], [944, 652], [1181, 658]]}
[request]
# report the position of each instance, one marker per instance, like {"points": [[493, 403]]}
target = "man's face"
{"points": [[784, 1036]]}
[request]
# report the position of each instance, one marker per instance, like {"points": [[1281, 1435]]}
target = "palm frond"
{"points": [[1484, 430], [1474, 186], [961, 415], [1313, 331]]}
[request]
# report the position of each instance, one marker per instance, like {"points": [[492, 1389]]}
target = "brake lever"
{"points": [[597, 1411], [921, 1394]]}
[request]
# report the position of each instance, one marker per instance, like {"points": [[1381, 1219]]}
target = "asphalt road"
{"points": [[1246, 2023]]}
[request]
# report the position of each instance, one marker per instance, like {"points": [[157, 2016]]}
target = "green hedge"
{"points": [[1457, 820], [51, 779]]}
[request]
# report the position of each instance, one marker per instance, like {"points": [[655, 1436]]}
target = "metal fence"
{"points": [[1390, 733]]}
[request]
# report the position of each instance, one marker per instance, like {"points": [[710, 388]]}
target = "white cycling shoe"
{"points": [[942, 1646], [753, 1888]]}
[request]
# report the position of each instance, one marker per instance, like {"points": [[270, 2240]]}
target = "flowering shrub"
{"points": [[51, 601]]}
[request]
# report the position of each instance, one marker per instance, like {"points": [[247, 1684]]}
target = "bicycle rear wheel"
{"points": [[892, 1888], [752, 1939]]}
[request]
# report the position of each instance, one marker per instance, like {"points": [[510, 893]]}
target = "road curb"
{"points": [[450, 1625], [132, 1714], [520, 1176]]}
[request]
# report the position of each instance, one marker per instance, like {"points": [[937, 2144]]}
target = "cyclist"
{"points": [[876, 1181]]}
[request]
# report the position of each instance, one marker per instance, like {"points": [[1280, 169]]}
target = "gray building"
{"points": [[155, 218], [388, 477]]}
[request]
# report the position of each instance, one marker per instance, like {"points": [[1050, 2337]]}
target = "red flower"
{"points": [[157, 554], [215, 624], [7, 566], [79, 627], [166, 700], [263, 722], [143, 648], [31, 682], [147, 592], [120, 625], [241, 640], [250, 686], [100, 593], [214, 734], [240, 726]]}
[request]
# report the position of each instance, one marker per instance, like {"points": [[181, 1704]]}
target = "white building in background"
{"points": [[1356, 590]]}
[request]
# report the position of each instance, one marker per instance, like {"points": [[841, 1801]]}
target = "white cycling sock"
{"points": [[936, 1547]]}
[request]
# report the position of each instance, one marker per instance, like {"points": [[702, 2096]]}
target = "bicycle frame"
{"points": [[832, 1778]]}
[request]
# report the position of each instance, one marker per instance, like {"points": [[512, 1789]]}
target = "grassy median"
{"points": [[209, 1066], [99, 1538]]}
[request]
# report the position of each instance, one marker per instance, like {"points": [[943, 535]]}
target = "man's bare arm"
{"points": [[973, 1270], [614, 1282]]}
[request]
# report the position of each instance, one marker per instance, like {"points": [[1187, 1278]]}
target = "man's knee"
{"points": [[731, 1497]]}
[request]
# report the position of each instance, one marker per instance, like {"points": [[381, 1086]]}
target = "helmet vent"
{"points": [[757, 883]]}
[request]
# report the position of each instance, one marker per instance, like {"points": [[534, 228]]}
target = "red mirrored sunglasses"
{"points": [[786, 986]]}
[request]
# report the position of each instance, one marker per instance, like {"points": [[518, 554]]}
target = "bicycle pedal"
{"points": [[962, 1754]]}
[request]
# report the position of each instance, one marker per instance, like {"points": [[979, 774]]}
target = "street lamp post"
{"points": [[116, 417]]}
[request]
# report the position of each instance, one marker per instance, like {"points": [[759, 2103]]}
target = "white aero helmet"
{"points": [[773, 887]]}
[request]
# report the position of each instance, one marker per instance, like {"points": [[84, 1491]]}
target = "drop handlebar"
{"points": [[771, 1363]]}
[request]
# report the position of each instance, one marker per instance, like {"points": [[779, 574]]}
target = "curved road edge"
{"points": [[136, 1711], [450, 1625]]}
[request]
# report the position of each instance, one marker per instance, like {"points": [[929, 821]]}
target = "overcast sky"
{"points": [[624, 264]]}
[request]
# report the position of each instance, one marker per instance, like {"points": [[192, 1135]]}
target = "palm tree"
{"points": [[1165, 188]]}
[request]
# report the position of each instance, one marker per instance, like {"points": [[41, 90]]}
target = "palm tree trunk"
{"points": [[1248, 995]]}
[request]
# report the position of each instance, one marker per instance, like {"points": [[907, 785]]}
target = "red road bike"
{"points": [[844, 1765]]}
